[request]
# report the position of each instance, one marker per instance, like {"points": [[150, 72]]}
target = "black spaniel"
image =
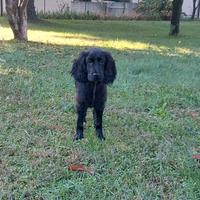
{"points": [[92, 71]]}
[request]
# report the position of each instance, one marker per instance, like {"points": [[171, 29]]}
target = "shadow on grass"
{"points": [[119, 35]]}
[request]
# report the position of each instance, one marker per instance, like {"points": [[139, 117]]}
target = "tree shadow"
{"points": [[118, 35], [153, 32]]}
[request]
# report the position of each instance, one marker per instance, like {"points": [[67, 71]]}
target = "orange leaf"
{"points": [[196, 156], [194, 114], [81, 168]]}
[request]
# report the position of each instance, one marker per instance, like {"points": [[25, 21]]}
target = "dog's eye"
{"points": [[100, 60], [91, 60]]}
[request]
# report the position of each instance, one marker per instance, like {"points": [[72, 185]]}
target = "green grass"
{"points": [[151, 121]]}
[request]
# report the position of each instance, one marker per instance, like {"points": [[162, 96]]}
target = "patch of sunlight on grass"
{"points": [[82, 40], [187, 51], [5, 33], [17, 71]]}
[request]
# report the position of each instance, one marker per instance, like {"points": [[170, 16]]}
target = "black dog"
{"points": [[92, 71]]}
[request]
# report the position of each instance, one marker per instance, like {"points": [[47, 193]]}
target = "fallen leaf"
{"points": [[196, 156], [194, 114], [81, 168]]}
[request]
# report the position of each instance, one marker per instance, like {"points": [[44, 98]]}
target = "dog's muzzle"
{"points": [[95, 77]]}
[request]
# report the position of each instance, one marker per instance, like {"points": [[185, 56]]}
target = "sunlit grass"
{"points": [[61, 38], [85, 40], [82, 40], [16, 71]]}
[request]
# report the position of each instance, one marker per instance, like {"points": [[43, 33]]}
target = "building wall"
{"points": [[110, 8], [51, 5], [88, 7], [187, 7], [55, 5]]}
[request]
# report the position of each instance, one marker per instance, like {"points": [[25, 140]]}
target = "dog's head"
{"points": [[94, 65]]}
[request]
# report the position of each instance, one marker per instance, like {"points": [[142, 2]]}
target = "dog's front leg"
{"points": [[81, 113], [97, 115]]}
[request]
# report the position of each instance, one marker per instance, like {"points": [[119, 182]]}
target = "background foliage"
{"points": [[155, 8]]}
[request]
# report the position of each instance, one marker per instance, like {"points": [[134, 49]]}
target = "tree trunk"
{"points": [[17, 17], [198, 9], [1, 7], [31, 13], [175, 18], [194, 9]]}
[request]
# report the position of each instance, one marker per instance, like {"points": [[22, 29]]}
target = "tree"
{"points": [[155, 8], [31, 13], [1, 7], [198, 10], [17, 17], [195, 8], [175, 18]]}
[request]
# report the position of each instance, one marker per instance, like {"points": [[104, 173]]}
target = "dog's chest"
{"points": [[91, 94]]}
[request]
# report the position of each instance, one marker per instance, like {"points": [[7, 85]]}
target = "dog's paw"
{"points": [[78, 136], [99, 134], [101, 137]]}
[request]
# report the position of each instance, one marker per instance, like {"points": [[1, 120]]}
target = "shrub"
{"points": [[155, 8], [68, 15], [83, 16]]}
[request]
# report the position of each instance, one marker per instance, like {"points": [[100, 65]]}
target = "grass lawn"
{"points": [[151, 121]]}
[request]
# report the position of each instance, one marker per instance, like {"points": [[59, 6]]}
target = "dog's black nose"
{"points": [[96, 76]]}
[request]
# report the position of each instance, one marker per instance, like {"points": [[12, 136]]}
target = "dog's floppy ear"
{"points": [[79, 71], [110, 70]]}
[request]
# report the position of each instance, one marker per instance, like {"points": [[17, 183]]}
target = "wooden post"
{"points": [[1, 7], [198, 10], [44, 6], [194, 9], [31, 13]]}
